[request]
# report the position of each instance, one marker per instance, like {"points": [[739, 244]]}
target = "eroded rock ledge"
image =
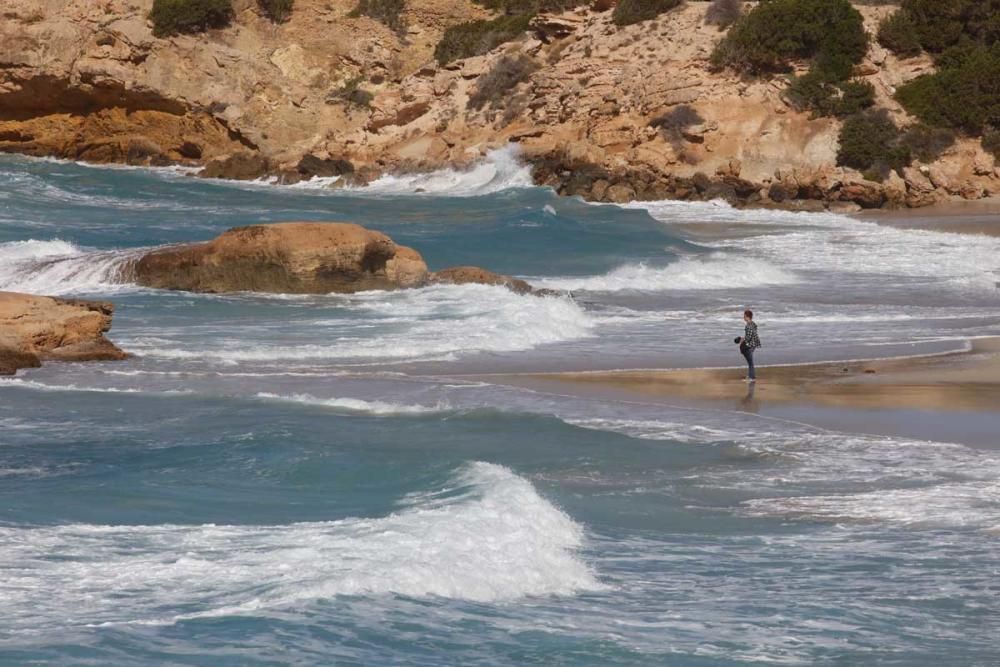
{"points": [[300, 258], [37, 328]]}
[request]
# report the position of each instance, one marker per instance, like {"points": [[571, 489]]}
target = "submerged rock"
{"points": [[464, 275], [35, 328], [289, 257]]}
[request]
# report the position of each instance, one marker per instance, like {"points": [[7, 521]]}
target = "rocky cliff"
{"points": [[86, 79]]}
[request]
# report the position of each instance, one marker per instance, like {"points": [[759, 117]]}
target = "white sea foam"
{"points": [[489, 537], [58, 267], [716, 271], [432, 323], [839, 244], [500, 169], [818, 475], [381, 408], [20, 383]]}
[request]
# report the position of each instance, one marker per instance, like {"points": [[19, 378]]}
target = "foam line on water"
{"points": [[437, 322], [488, 536], [717, 271], [381, 408]]}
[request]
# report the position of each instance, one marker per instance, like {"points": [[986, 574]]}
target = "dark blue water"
{"points": [[319, 480]]}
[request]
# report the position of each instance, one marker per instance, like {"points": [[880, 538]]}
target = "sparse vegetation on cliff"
{"points": [[387, 12], [927, 143], [816, 91], [724, 13], [493, 88], [171, 17], [776, 32], [628, 12], [964, 94], [478, 37], [898, 33], [278, 11], [871, 143], [351, 94]]}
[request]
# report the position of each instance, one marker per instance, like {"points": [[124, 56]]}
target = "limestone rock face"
{"points": [[463, 275], [34, 328], [290, 257]]}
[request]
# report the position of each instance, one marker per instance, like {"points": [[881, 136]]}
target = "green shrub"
{"points": [[517, 7], [387, 12], [628, 12], [855, 97], [351, 94], [963, 96], [991, 143], [494, 87], [898, 33], [870, 140], [171, 17], [927, 143], [776, 32], [478, 37], [724, 13], [278, 11], [940, 24], [825, 96]]}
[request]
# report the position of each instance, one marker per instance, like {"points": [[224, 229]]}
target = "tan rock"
{"points": [[463, 275], [291, 257], [34, 328]]}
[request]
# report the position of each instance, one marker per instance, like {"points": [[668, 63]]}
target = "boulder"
{"points": [[290, 257], [463, 275], [35, 328], [242, 166]]}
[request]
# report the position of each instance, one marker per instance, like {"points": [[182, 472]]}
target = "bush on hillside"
{"points": [[870, 142], [927, 143], [898, 33], [516, 7], [673, 123], [278, 11], [724, 13], [965, 95], [171, 17], [825, 96], [494, 87], [478, 37], [776, 32], [991, 143], [387, 12], [628, 12], [940, 24]]}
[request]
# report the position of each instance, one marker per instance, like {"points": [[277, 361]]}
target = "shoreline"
{"points": [[961, 381]]}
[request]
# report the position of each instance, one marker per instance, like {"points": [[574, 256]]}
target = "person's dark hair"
{"points": [[748, 313]]}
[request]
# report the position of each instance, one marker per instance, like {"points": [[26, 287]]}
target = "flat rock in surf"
{"points": [[302, 258], [35, 328], [285, 258]]}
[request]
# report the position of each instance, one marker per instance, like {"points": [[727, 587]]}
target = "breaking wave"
{"points": [[380, 408], [499, 169], [488, 536], [717, 271], [58, 267]]}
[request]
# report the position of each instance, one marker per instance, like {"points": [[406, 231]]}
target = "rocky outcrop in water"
{"points": [[37, 328], [301, 258], [290, 258]]}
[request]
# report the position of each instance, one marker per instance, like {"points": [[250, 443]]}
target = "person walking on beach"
{"points": [[749, 342]]}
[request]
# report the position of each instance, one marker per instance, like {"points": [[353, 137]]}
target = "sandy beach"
{"points": [[960, 381], [980, 217]]}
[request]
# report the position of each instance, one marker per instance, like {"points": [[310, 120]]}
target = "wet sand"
{"points": [[960, 381], [971, 217]]}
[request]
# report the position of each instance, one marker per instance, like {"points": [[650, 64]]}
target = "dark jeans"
{"points": [[748, 355]]}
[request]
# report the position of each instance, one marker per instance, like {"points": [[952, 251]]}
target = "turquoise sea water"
{"points": [[340, 480]]}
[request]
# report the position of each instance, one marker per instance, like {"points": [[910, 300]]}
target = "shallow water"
{"points": [[317, 480]]}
